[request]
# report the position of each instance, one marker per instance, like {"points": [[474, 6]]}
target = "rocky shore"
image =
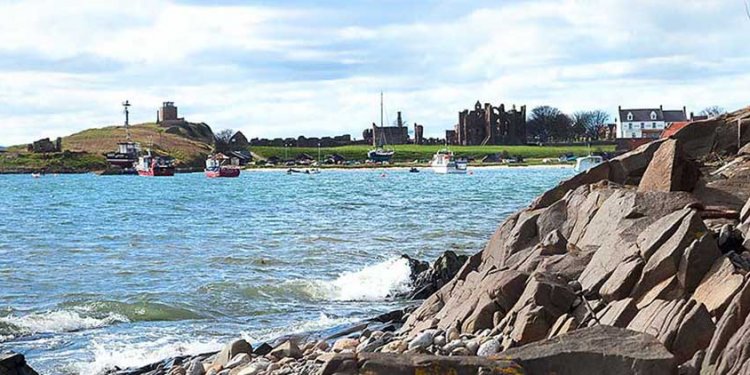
{"points": [[637, 266]]}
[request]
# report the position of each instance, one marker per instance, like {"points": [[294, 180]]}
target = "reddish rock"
{"points": [[618, 313], [696, 261], [409, 364], [719, 286], [621, 282], [719, 352], [669, 170]]}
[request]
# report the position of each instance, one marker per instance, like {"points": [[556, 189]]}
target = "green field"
{"points": [[409, 153], [62, 162]]}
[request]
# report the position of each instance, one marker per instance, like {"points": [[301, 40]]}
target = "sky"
{"points": [[316, 68]]}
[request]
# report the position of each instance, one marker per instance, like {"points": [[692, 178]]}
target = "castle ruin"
{"points": [[490, 125]]}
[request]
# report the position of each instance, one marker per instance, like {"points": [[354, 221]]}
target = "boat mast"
{"points": [[381, 109], [125, 106]]}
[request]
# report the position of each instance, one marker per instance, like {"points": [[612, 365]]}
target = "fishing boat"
{"points": [[36, 175], [381, 153], [413, 170], [216, 167], [127, 152], [444, 162], [587, 162], [150, 165], [303, 171]]}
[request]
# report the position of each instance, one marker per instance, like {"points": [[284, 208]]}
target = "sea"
{"points": [[98, 272]]}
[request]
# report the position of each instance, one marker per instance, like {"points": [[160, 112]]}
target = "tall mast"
{"points": [[125, 106], [381, 109]]}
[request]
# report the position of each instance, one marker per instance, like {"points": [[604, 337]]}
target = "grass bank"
{"points": [[409, 153]]}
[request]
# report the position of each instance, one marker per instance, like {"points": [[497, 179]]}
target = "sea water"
{"points": [[104, 271]]}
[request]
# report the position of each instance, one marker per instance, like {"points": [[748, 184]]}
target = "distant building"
{"points": [[608, 132], [490, 125], [45, 145], [450, 137], [418, 134], [238, 141], [646, 122], [167, 113], [391, 135]]}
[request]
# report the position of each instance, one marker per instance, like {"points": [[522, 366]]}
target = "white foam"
{"points": [[323, 322], [123, 354], [58, 321], [372, 283]]}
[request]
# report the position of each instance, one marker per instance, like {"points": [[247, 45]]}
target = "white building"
{"points": [[646, 122]]}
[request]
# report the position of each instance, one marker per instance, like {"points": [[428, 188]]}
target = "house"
{"points": [[646, 122], [240, 157]]}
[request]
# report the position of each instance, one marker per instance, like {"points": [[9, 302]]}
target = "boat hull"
{"points": [[223, 172], [448, 170], [156, 172], [380, 156]]}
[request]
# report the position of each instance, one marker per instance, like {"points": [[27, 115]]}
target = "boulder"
{"points": [[428, 280], [719, 351], [595, 350], [14, 364], [409, 364], [718, 286], [263, 349], [287, 349], [621, 282], [230, 351], [618, 313], [488, 348], [629, 168], [196, 367], [696, 261], [669, 170], [554, 243], [745, 212], [345, 344]]}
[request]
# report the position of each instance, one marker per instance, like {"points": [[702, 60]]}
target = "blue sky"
{"points": [[285, 68]]}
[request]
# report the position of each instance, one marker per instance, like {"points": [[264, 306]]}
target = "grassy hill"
{"points": [[408, 153]]}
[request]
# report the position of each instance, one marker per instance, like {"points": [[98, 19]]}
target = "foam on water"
{"points": [[53, 322], [372, 283]]}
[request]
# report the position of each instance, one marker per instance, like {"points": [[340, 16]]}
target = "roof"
{"points": [[674, 128], [644, 115]]}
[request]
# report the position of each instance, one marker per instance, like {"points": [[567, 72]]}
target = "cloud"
{"points": [[291, 68]]}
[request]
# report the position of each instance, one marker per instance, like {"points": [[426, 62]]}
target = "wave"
{"points": [[372, 283], [13, 326]]}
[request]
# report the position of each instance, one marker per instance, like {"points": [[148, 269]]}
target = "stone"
{"points": [[287, 349], [694, 333], [745, 212], [532, 324], [230, 351], [452, 333], [696, 261], [177, 370], [254, 368], [564, 324], [439, 340], [623, 278], [554, 243], [239, 359], [263, 349], [719, 353], [394, 364], [423, 340], [196, 367], [472, 346], [12, 363], [669, 170], [718, 286], [619, 313], [345, 344], [488, 348], [396, 346], [595, 350]]}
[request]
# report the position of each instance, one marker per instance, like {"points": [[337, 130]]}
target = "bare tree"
{"points": [[549, 123], [222, 140], [589, 123], [713, 111]]}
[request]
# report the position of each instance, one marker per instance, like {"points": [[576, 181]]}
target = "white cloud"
{"points": [[283, 71]]}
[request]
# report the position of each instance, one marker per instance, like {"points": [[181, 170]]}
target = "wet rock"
{"points": [[718, 286], [488, 348], [595, 350], [255, 368], [263, 349], [15, 364], [230, 351], [428, 280], [287, 349], [423, 340], [196, 368], [669, 170]]}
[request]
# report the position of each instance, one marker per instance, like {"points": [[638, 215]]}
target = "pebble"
{"points": [[451, 346], [472, 346], [196, 368], [439, 341], [345, 344], [452, 334], [490, 347], [322, 345], [238, 360], [461, 351], [423, 340]]}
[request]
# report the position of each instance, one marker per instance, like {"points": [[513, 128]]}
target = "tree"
{"points": [[549, 123], [713, 111], [588, 124], [222, 140]]}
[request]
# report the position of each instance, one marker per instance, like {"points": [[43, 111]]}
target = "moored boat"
{"points": [[127, 152], [587, 162], [158, 166], [381, 153], [444, 162], [215, 167]]}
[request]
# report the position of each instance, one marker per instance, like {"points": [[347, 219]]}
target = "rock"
{"points": [[12, 363], [370, 344], [472, 346], [554, 243], [345, 344], [254, 368], [595, 350], [394, 364], [452, 334], [322, 345], [196, 368], [532, 323], [230, 351], [745, 212], [593, 175], [287, 349], [263, 349], [177, 370], [696, 261], [693, 366], [488, 348], [422, 340], [718, 286], [720, 353], [239, 359], [619, 313], [564, 324], [428, 280], [439, 340], [669, 170], [694, 333], [396, 346], [621, 282]]}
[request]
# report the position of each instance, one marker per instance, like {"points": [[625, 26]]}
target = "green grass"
{"points": [[54, 162], [408, 153]]}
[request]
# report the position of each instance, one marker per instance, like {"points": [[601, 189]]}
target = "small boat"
{"points": [[587, 162], [149, 165], [381, 153], [126, 155], [303, 171], [444, 162], [36, 175], [413, 170], [215, 167]]}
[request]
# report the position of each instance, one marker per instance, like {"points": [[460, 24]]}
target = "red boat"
{"points": [[149, 165], [215, 167]]}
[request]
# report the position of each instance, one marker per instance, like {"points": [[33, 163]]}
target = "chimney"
{"points": [[661, 108]]}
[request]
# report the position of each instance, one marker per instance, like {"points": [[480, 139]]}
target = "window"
{"points": [[630, 126], [632, 135], [630, 116], [653, 115], [641, 125]]}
